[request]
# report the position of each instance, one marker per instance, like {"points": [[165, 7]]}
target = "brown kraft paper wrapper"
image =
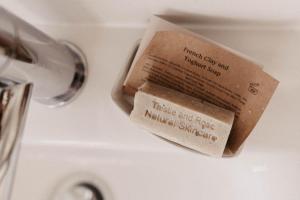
{"points": [[200, 68]]}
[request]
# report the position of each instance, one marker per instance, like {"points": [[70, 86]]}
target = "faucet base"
{"points": [[80, 76]]}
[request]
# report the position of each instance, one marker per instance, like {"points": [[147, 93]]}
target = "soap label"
{"points": [[179, 124], [166, 114], [203, 69]]}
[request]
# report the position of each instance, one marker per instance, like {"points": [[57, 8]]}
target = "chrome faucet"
{"points": [[31, 62]]}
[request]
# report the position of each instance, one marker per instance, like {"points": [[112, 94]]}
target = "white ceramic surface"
{"points": [[93, 136]]}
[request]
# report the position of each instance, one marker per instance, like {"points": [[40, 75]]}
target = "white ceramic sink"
{"points": [[92, 139]]}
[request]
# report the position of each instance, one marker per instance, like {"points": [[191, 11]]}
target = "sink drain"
{"points": [[83, 191], [81, 187]]}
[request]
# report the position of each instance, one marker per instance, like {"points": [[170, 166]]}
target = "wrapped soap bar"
{"points": [[197, 66], [182, 119]]}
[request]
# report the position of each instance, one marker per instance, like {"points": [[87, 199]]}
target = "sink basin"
{"points": [[93, 140]]}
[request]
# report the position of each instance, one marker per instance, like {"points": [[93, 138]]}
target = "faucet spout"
{"points": [[56, 69], [54, 72], [14, 98], [14, 101]]}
